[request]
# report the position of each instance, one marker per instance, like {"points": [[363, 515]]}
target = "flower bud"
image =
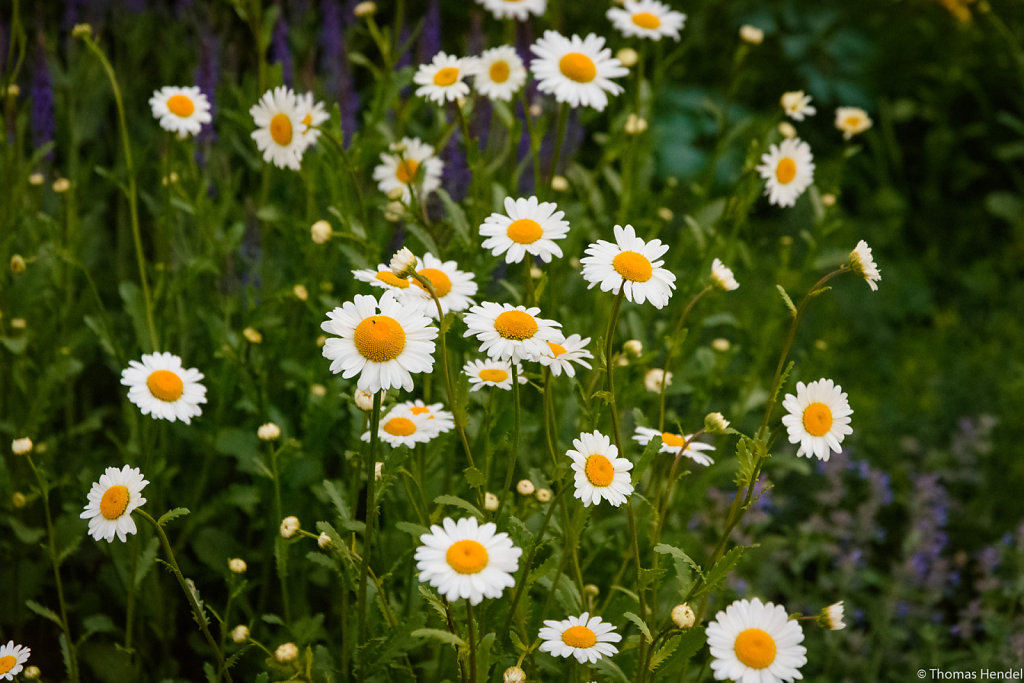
{"points": [[559, 183], [543, 495], [666, 214], [654, 379], [525, 487], [715, 423], [268, 432], [288, 652], [721, 344], [628, 56], [320, 232], [635, 125], [318, 390], [364, 400], [683, 616], [751, 34], [300, 292], [490, 502], [591, 590], [31, 673], [324, 540], [787, 130], [18, 264], [18, 500], [289, 525], [240, 633], [633, 347], [237, 565], [514, 674], [252, 335], [36, 179], [21, 446], [832, 617], [81, 31], [403, 263], [365, 9], [61, 185]]}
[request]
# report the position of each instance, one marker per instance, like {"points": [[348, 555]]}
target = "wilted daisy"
{"points": [[647, 19], [789, 169], [452, 286], [111, 502], [402, 427], [466, 560], [722, 277], [413, 163], [512, 333], [797, 105], [576, 70], [818, 419], [566, 351], [442, 80], [438, 419], [751, 642], [600, 473], [12, 660], [671, 443], [584, 637], [630, 264], [382, 343], [514, 9], [180, 110], [852, 121], [312, 114], [528, 226], [160, 386], [862, 263], [498, 73], [280, 128], [491, 373]]}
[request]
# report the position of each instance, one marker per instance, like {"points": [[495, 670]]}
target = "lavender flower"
{"points": [[206, 76], [430, 39], [456, 177], [43, 123], [279, 46]]}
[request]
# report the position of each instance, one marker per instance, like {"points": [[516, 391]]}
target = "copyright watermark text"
{"points": [[971, 675]]}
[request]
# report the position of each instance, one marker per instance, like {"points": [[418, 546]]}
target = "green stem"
{"points": [[639, 588], [610, 366], [534, 141], [510, 472], [278, 516], [528, 296], [371, 517], [563, 125], [521, 583], [673, 344], [472, 642]]}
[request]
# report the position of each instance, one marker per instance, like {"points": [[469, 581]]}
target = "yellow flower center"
{"points": [[499, 72], [493, 375], [578, 67], [400, 426], [599, 470], [419, 410], [525, 231], [446, 76], [817, 419], [785, 171], [389, 278], [406, 170], [633, 266], [579, 636], [467, 557], [114, 502], [755, 648], [672, 440], [516, 325], [852, 121], [7, 662], [646, 20], [281, 129], [441, 282], [165, 385], [556, 349], [379, 338], [179, 105]]}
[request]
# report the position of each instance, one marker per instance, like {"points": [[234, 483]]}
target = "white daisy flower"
{"points": [[12, 660], [402, 427], [280, 128], [498, 73], [797, 105], [576, 70], [438, 419], [312, 114], [671, 443], [111, 502], [413, 163], [852, 121], [382, 277], [384, 348], [511, 333], [566, 351], [789, 169], [647, 19], [527, 227], [722, 277], [180, 110], [441, 80], [466, 560], [818, 419], [519, 10], [161, 387], [600, 473], [832, 617], [632, 265], [454, 287], [586, 638], [491, 373], [863, 263], [751, 642]]}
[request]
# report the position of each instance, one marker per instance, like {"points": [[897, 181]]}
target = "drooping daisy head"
{"points": [[438, 419], [464, 559], [600, 473], [412, 163], [528, 226], [632, 265], [180, 110], [647, 19], [312, 115], [442, 80], [672, 443], [788, 169], [586, 638], [491, 373], [511, 333], [863, 263], [722, 277], [566, 351], [498, 73], [382, 343], [400, 426], [797, 105], [111, 502], [161, 387], [454, 288], [852, 121], [818, 418], [576, 70], [279, 133], [12, 660], [519, 10], [832, 617], [751, 642]]}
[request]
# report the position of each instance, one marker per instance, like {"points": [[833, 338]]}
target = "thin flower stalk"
{"points": [[673, 345], [371, 518]]}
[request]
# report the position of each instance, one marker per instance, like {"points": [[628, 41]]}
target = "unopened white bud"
{"points": [[683, 616], [320, 231], [268, 431], [289, 526], [237, 565]]}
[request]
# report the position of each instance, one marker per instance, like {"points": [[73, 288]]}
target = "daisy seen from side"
{"points": [[852, 121], [111, 502], [586, 638], [647, 19], [464, 559], [441, 80], [755, 642], [600, 473], [498, 73], [818, 418], [313, 114], [630, 264], [672, 443], [566, 351], [162, 388], [182, 111], [512, 333], [863, 263], [520, 10], [528, 226], [400, 426], [788, 169], [454, 288], [412, 163], [722, 276], [279, 132], [797, 105], [491, 373], [382, 277], [577, 71]]}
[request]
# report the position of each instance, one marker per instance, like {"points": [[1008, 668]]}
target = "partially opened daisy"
{"points": [[412, 164], [671, 443], [528, 226], [586, 638], [788, 169], [863, 263], [453, 287], [600, 473], [852, 121], [438, 419], [647, 19], [514, 9], [383, 343], [831, 617], [751, 642], [180, 110], [382, 277], [464, 559], [818, 419], [111, 502], [576, 70], [498, 73], [402, 427], [161, 387], [442, 80], [797, 105], [511, 333], [722, 276], [632, 265], [279, 134], [566, 351], [491, 373], [313, 114], [12, 660]]}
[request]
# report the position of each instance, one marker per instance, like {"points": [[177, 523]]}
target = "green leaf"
{"points": [[786, 300], [439, 635], [649, 576], [172, 515], [721, 570], [146, 560], [456, 216], [663, 653], [474, 477], [746, 455], [26, 534], [691, 642], [641, 625], [433, 600], [414, 530], [44, 612], [274, 619], [459, 502], [677, 554]]}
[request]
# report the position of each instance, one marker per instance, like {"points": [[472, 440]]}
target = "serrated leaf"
{"points": [[172, 515], [44, 612], [691, 642], [663, 653], [718, 573], [459, 502], [640, 624], [666, 549], [746, 457], [433, 600], [146, 560], [439, 635], [474, 477], [786, 300], [648, 576], [414, 530]]}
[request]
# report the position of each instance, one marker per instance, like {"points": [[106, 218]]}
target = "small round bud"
{"points": [[559, 183], [169, 179], [536, 273], [31, 673], [61, 185], [288, 652], [514, 674], [525, 487], [21, 446], [237, 565], [666, 214], [396, 193], [820, 344], [621, 361], [628, 56], [365, 9], [654, 379], [18, 499], [378, 470], [240, 633], [721, 344], [543, 495], [592, 590], [13, 90], [715, 423], [18, 264], [300, 292], [321, 341], [635, 125], [574, 263], [536, 110], [751, 34], [828, 199], [320, 232], [633, 347], [268, 432], [403, 263], [394, 211], [289, 525], [364, 400], [787, 130], [323, 540], [81, 31], [318, 390], [36, 179], [18, 323], [490, 502], [252, 335], [683, 616]]}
